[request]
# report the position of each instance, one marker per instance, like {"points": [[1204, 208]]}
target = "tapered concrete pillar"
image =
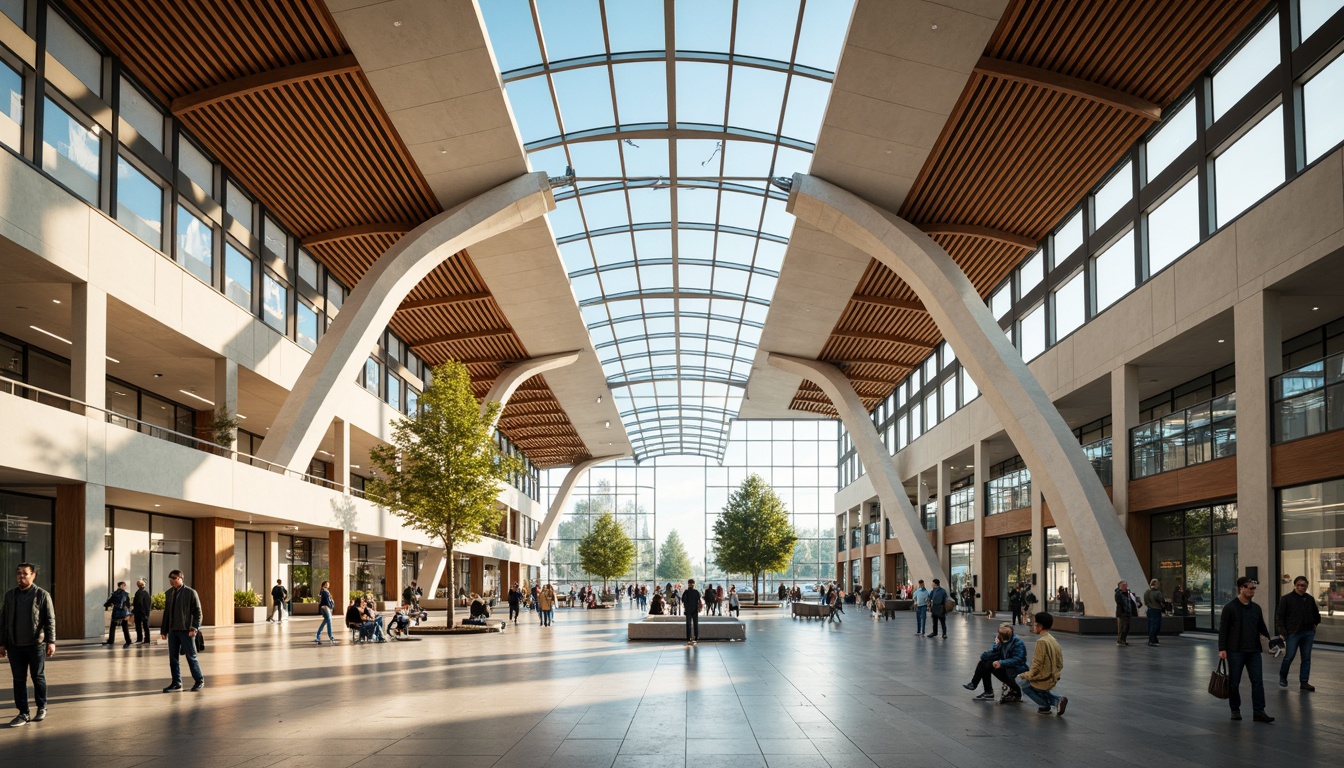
{"points": [[88, 353], [432, 569], [226, 390], [310, 405], [944, 479], [1259, 353], [561, 501], [919, 553], [341, 460], [78, 581], [274, 557], [1124, 417], [1037, 577], [513, 376], [1087, 522], [978, 458], [392, 585]]}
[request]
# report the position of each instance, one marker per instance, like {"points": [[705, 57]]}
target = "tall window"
{"points": [[1323, 109], [1113, 271], [274, 303], [1247, 67], [1070, 306], [238, 277], [11, 108], [195, 245], [1173, 227], [71, 151], [1113, 195], [1170, 141], [139, 204], [1250, 168]]}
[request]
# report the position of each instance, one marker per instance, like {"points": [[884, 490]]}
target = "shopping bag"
{"points": [[1220, 685]]}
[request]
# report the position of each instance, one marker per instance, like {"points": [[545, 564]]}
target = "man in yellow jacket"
{"points": [[1047, 662]]}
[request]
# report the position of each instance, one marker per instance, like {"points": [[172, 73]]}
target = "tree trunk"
{"points": [[452, 583], [755, 589]]}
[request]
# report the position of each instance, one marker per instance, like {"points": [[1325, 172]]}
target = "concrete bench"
{"points": [[811, 611], [890, 607], [674, 628]]}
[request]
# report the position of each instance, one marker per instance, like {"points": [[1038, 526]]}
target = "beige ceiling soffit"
{"points": [[914, 305], [265, 81], [870, 361], [983, 233], [1074, 86], [871, 336], [359, 230], [443, 301], [512, 378], [466, 336]]}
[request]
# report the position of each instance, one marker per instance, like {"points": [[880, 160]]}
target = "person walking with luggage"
{"points": [[1154, 602], [1239, 630], [1126, 606], [120, 603], [1047, 662], [1295, 621], [938, 598], [921, 598], [690, 601], [28, 639], [278, 596], [734, 602], [140, 605], [181, 623], [325, 604]]}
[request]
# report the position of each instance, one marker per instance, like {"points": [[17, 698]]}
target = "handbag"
{"points": [[949, 604], [1220, 685], [200, 641]]}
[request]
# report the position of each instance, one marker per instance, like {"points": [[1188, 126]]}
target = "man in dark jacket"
{"points": [[515, 601], [1295, 621], [181, 623], [27, 639], [1239, 632], [690, 600], [278, 597], [1125, 606], [120, 603], [938, 608], [140, 611], [1005, 660]]}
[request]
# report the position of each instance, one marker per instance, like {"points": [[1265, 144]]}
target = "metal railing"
{"points": [[1190, 436], [873, 533]]}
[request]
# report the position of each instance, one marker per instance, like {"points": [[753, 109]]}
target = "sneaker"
{"points": [[1236, 714], [41, 715], [1042, 710], [127, 645], [173, 687], [944, 637], [1307, 686], [19, 719], [1010, 698], [969, 686], [1261, 717], [1283, 682], [985, 696], [1063, 702], [318, 641], [198, 686]]}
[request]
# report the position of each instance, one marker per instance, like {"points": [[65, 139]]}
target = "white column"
{"points": [[226, 390], [341, 430], [1124, 417], [432, 567], [96, 586], [88, 355], [1038, 545], [272, 570], [1259, 356], [944, 480], [978, 458]]}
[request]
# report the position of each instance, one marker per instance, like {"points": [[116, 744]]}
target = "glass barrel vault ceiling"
{"points": [[674, 115]]}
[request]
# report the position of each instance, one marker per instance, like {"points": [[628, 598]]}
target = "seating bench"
{"points": [[674, 628], [811, 610]]}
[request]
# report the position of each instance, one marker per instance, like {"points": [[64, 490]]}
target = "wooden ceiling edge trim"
{"points": [[441, 301], [870, 361], [983, 233], [466, 336], [884, 337], [1067, 84], [357, 231], [914, 305], [265, 81]]}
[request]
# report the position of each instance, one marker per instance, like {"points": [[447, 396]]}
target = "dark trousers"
{"points": [[1254, 666], [939, 618], [26, 660], [1154, 624], [513, 611], [985, 670], [141, 628], [112, 630], [692, 625], [181, 642], [1121, 629]]}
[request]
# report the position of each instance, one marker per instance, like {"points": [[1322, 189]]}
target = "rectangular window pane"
{"points": [[969, 390], [308, 270], [1173, 227], [372, 375], [1069, 237], [195, 245], [335, 296], [1070, 306], [74, 52], [196, 166], [140, 112], [1170, 140], [1113, 271], [394, 392], [1113, 194], [1250, 168], [70, 152], [11, 109], [1031, 273], [305, 321], [1323, 109], [14, 10], [931, 410], [949, 396], [276, 239], [1001, 301], [238, 205], [1313, 13], [1247, 67], [1033, 333], [275, 303], [139, 204], [238, 277]]}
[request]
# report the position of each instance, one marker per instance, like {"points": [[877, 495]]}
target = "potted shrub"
{"points": [[248, 608], [157, 602], [305, 606]]}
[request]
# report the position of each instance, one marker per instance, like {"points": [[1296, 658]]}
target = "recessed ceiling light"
{"points": [[1313, 309], [196, 396], [55, 301], [158, 505], [158, 375], [111, 359], [1220, 341], [599, 399], [606, 424]]}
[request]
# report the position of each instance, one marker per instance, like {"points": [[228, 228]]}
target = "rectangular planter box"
{"points": [[306, 609], [434, 603], [249, 615]]}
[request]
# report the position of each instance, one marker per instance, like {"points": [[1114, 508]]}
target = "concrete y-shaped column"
{"points": [[1092, 534], [309, 408], [513, 376], [547, 527], [906, 523]]}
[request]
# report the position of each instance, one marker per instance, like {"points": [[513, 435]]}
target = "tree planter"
{"points": [[155, 622], [249, 615], [306, 609]]}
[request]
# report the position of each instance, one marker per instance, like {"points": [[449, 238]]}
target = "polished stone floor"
{"points": [[796, 693]]}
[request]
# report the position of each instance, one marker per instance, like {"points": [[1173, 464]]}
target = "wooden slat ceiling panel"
{"points": [[1017, 157], [323, 156]]}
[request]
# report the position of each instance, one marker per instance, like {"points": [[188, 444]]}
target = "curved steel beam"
{"points": [[514, 375], [1087, 521], [657, 131], [311, 404]]}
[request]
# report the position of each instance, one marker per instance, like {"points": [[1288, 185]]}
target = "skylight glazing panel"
{"points": [[586, 287], [765, 28], [747, 158], [703, 25], [698, 157], [650, 206], [730, 280], [605, 209], [702, 91], [511, 33], [576, 256], [598, 159], [585, 99], [697, 205], [647, 158], [756, 100], [572, 28], [656, 278], [552, 160], [532, 108], [641, 92], [806, 107], [635, 25], [694, 277], [608, 249], [777, 221], [823, 33], [740, 210], [651, 245], [769, 255]]}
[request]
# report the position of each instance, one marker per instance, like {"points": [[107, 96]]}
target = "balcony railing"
{"points": [[840, 543], [1190, 436], [1099, 454], [873, 533], [1309, 400], [1011, 491]]}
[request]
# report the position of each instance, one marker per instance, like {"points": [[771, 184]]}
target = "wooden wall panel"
{"points": [[392, 585], [959, 532], [339, 564], [66, 581], [1210, 481], [1009, 523], [989, 576], [212, 569], [1309, 460]]}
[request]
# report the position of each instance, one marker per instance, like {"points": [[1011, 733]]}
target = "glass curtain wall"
{"points": [[624, 489], [1061, 584], [961, 560], [147, 546], [1311, 537], [249, 562], [26, 534], [1197, 548], [1014, 565]]}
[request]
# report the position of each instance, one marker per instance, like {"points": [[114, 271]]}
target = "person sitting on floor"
{"points": [[1005, 659], [479, 608]]}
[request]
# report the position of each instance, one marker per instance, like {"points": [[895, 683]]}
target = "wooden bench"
{"points": [[674, 628], [811, 611]]}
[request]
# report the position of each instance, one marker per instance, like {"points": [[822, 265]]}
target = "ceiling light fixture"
{"points": [[599, 399], [112, 359], [1313, 309], [158, 505], [196, 396], [158, 375], [52, 335], [607, 424], [1220, 341], [55, 301]]}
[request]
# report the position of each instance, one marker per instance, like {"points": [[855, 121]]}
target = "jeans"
{"points": [[25, 660], [1042, 698], [326, 622], [141, 628], [1154, 624], [513, 611], [1302, 640], [1254, 666], [181, 642], [692, 625], [277, 612], [921, 614], [547, 616], [939, 618]]}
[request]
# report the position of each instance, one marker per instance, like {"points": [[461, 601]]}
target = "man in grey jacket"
{"points": [[27, 639], [181, 622]]}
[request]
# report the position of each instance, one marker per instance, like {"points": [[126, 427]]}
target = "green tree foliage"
{"points": [[442, 470], [754, 534], [607, 550], [673, 562]]}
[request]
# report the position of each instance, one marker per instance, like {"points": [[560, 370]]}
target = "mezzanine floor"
{"points": [[795, 694]]}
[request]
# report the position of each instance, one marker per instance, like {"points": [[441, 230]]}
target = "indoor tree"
{"points": [[442, 470], [673, 562], [754, 534], [607, 550]]}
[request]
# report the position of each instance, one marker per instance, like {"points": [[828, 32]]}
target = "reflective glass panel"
{"points": [[1032, 341], [1247, 67], [11, 109], [1313, 13], [140, 112], [238, 277], [305, 326], [1070, 306], [1069, 237], [71, 152], [1173, 227], [195, 245], [1170, 140], [1113, 271], [74, 51], [1250, 168], [139, 204], [1323, 109], [274, 303], [1113, 195]]}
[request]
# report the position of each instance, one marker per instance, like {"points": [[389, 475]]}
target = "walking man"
{"points": [[515, 602], [1153, 600], [120, 603], [921, 608], [690, 600], [1295, 621], [278, 596], [938, 607], [28, 639], [140, 611], [1125, 607], [1047, 662], [1239, 631], [181, 622]]}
